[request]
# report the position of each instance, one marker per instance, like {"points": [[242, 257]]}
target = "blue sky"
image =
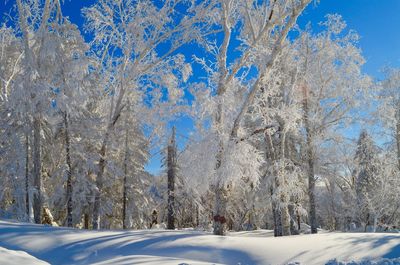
{"points": [[376, 21]]}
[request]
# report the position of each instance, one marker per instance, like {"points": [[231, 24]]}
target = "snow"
{"points": [[10, 257], [41, 244]]}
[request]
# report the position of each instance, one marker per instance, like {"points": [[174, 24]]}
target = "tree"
{"points": [[376, 183], [265, 26], [366, 158], [127, 39], [69, 73], [330, 66], [171, 164], [389, 108], [36, 81], [14, 146]]}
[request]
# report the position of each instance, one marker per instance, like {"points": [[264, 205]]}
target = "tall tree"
{"points": [[330, 67], [366, 158], [127, 37], [36, 79], [262, 34], [389, 108], [171, 173]]}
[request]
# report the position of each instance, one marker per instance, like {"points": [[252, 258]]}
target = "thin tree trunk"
{"points": [[27, 204], [279, 226], [69, 171], [124, 198], [37, 178], [197, 215], [293, 230], [86, 220], [99, 184], [277, 217], [171, 163], [398, 139], [274, 219], [298, 221], [375, 222], [310, 162]]}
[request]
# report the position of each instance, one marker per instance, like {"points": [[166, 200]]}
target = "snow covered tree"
{"points": [[70, 79], [330, 67], [367, 171], [128, 36], [14, 132], [34, 20], [261, 29], [389, 108]]}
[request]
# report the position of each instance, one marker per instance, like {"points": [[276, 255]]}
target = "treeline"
{"points": [[273, 143]]}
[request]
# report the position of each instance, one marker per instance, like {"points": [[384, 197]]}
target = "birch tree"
{"points": [[332, 79], [389, 108], [34, 20], [128, 37], [14, 147], [262, 32]]}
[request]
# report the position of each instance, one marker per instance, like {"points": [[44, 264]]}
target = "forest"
{"points": [[260, 123]]}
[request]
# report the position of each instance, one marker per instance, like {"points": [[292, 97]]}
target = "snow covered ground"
{"points": [[35, 244]]}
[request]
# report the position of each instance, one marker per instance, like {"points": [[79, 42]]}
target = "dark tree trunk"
{"points": [[69, 171], [298, 220], [311, 193], [86, 221], [171, 163], [277, 217], [197, 216], [27, 175], [125, 198], [124, 203], [37, 166], [398, 138], [278, 230]]}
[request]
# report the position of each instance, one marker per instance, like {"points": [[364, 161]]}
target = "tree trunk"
{"points": [[286, 221], [311, 192], [69, 171], [125, 195], [27, 204], [375, 222], [298, 220], [37, 178], [124, 203], [86, 220], [171, 163], [219, 213], [99, 185], [310, 162], [398, 139], [197, 216], [219, 189], [277, 217], [278, 230], [293, 230], [115, 113]]}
